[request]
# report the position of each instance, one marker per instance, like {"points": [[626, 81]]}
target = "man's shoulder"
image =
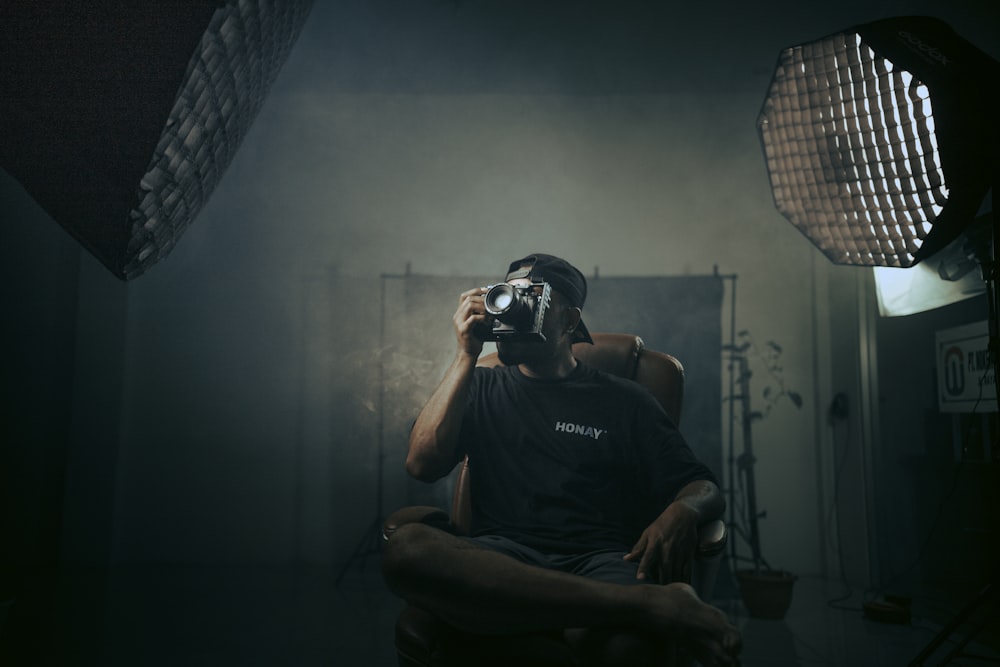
{"points": [[490, 378], [610, 380], [493, 372], [623, 391]]}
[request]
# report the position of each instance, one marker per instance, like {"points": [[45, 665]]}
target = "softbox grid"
{"points": [[225, 85], [852, 151]]}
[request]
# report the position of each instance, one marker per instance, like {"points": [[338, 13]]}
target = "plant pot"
{"points": [[766, 593]]}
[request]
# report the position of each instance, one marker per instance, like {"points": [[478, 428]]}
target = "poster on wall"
{"points": [[966, 379]]}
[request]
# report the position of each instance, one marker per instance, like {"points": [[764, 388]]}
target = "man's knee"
{"points": [[402, 554], [417, 552]]}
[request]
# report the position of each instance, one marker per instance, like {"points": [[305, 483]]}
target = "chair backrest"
{"points": [[624, 355]]}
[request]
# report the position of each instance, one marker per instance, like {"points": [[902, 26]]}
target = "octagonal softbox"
{"points": [[881, 140]]}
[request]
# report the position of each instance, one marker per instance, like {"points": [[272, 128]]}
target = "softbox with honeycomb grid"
{"points": [[119, 118], [881, 140]]}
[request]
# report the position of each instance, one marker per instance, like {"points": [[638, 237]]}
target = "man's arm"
{"points": [[434, 439], [668, 544]]}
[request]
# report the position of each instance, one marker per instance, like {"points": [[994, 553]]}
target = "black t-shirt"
{"points": [[571, 465]]}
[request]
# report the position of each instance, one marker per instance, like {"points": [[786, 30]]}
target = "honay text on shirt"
{"points": [[580, 429]]}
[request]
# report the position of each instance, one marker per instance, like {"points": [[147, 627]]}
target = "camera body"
{"points": [[518, 311]]}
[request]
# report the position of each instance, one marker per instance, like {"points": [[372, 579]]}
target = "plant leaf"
{"points": [[774, 346], [767, 392], [755, 416], [795, 398]]}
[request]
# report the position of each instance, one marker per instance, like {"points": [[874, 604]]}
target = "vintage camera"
{"points": [[517, 311]]}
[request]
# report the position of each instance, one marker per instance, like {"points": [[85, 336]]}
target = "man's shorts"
{"points": [[604, 565]]}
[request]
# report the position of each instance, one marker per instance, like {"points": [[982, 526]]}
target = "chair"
{"points": [[422, 640]]}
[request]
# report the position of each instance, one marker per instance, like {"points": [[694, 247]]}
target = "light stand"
{"points": [[730, 348], [987, 255], [739, 390], [743, 516], [746, 462]]}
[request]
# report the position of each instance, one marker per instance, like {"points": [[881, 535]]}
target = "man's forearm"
{"points": [[434, 438], [705, 498]]}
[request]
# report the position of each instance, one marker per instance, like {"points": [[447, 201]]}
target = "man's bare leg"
{"points": [[481, 591]]}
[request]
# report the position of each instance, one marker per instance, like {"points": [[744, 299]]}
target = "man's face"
{"points": [[512, 353]]}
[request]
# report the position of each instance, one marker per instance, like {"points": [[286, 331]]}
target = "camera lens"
{"points": [[499, 299]]}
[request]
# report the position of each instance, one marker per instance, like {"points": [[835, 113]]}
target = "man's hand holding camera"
{"points": [[472, 322]]}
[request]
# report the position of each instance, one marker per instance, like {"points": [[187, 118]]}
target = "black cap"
{"points": [[564, 278]]}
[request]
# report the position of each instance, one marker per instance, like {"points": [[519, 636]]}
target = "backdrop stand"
{"points": [[371, 540]]}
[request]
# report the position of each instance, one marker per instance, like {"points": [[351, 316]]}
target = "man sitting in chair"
{"points": [[567, 465]]}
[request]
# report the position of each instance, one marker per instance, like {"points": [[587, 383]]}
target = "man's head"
{"points": [[565, 279], [563, 325]]}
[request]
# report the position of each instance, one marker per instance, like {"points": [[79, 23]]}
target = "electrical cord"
{"points": [[838, 414]]}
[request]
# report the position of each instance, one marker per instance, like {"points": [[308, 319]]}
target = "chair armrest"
{"points": [[415, 514], [712, 538]]}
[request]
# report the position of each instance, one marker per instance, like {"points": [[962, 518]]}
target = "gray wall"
{"points": [[450, 136]]}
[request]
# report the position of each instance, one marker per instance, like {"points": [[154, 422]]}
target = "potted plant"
{"points": [[766, 592]]}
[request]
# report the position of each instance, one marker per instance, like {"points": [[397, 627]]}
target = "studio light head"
{"points": [[881, 140]]}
